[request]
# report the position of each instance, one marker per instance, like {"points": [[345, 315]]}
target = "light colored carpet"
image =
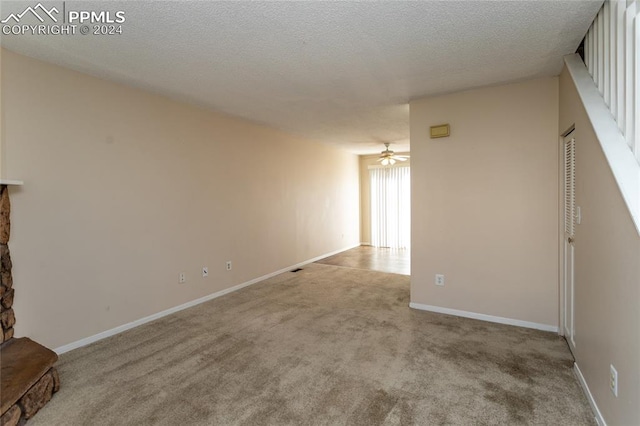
{"points": [[326, 345]]}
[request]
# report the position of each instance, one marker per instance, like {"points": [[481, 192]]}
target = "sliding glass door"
{"points": [[390, 207]]}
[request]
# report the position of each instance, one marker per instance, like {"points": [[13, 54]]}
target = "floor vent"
{"points": [[297, 269]]}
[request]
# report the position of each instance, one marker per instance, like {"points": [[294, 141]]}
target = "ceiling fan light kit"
{"points": [[389, 158]]}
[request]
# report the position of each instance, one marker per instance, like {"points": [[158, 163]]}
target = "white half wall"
{"points": [[607, 261]]}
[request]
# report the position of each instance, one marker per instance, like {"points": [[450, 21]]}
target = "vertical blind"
{"points": [[390, 207]]}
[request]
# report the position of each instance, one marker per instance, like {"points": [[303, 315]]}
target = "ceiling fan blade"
{"points": [[400, 158]]}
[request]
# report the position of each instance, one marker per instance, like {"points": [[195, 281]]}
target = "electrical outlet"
{"points": [[228, 265], [182, 278], [613, 380], [205, 271], [439, 280]]}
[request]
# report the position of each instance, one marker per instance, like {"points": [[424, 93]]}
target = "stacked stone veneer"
{"points": [[28, 379], [7, 317]]}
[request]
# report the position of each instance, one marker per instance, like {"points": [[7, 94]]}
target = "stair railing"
{"points": [[611, 54]]}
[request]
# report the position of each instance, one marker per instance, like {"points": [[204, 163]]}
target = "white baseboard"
{"points": [[108, 333], [587, 392], [483, 317]]}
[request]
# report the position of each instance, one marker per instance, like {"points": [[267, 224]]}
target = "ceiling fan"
{"points": [[389, 158]]}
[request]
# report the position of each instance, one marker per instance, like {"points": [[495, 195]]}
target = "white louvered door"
{"points": [[569, 235]]}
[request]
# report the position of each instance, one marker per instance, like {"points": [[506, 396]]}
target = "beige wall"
{"points": [[607, 272], [125, 189], [365, 193], [484, 201], [365, 198]]}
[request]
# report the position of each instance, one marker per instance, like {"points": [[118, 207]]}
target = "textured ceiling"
{"points": [[337, 72]]}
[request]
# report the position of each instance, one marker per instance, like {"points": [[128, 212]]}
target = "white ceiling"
{"points": [[337, 72]]}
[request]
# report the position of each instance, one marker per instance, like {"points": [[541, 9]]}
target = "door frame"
{"points": [[562, 288]]}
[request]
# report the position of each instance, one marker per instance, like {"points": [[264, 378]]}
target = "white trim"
{"points": [[124, 327], [11, 182], [592, 402], [561, 240], [621, 159], [483, 317]]}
